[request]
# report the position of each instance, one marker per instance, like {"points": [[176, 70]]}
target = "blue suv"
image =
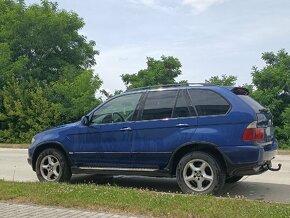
{"points": [[203, 135]]}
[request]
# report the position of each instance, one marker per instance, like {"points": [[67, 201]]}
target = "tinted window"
{"points": [[120, 109], [159, 105], [251, 102], [181, 108], [208, 102]]}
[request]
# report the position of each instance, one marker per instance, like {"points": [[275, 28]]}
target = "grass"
{"points": [[139, 202], [3, 145], [285, 151]]}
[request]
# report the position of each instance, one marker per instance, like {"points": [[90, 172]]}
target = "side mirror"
{"points": [[85, 121]]}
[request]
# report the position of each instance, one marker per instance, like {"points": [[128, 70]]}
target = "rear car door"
{"points": [[166, 121], [215, 125]]}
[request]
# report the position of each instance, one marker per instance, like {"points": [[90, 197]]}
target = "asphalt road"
{"points": [[270, 186]]}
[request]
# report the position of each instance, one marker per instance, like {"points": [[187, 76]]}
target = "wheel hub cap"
{"points": [[50, 168], [198, 175]]}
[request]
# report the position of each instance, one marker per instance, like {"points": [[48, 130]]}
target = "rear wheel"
{"points": [[233, 179], [52, 166], [200, 173]]}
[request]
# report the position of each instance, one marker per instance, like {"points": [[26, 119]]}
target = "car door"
{"points": [[107, 141], [166, 121]]}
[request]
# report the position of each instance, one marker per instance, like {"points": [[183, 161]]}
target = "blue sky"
{"points": [[210, 37]]}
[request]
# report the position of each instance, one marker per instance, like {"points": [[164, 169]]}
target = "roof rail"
{"points": [[168, 86]]}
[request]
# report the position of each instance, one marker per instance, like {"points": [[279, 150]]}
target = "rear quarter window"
{"points": [[251, 102], [208, 102]]}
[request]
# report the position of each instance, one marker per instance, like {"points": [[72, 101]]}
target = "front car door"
{"points": [[107, 141]]}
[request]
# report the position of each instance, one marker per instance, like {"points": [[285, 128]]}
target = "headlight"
{"points": [[32, 140]]}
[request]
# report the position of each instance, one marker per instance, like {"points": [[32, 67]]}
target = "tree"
{"points": [[76, 95], [284, 131], [48, 64], [273, 90], [158, 72], [108, 95], [47, 37], [224, 80], [26, 111]]}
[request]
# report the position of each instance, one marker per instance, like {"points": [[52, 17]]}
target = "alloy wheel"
{"points": [[50, 168], [198, 175]]}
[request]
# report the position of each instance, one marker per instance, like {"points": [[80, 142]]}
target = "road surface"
{"points": [[269, 186]]}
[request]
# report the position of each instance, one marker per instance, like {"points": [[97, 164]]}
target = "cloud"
{"points": [[155, 4], [149, 3], [201, 5]]}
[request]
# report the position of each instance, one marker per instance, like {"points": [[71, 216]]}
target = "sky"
{"points": [[209, 37]]}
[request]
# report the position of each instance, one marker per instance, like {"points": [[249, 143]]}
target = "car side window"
{"points": [[120, 109], [208, 102], [181, 108], [159, 105]]}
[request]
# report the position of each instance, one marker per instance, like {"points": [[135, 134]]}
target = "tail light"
{"points": [[252, 133]]}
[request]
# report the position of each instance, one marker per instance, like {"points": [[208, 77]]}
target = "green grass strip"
{"points": [[134, 201]]}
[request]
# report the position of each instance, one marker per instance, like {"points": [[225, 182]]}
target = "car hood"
{"points": [[53, 132], [65, 125]]}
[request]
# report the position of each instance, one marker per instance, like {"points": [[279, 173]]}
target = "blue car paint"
{"points": [[151, 144], [154, 141]]}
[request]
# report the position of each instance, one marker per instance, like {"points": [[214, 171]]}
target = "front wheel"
{"points": [[200, 173], [52, 166]]}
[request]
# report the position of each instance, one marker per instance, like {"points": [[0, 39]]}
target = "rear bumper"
{"points": [[243, 170], [250, 160]]}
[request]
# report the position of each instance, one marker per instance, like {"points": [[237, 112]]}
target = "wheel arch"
{"points": [[196, 146], [46, 145]]}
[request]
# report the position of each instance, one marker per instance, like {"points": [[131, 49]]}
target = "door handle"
{"points": [[182, 125], [126, 129]]}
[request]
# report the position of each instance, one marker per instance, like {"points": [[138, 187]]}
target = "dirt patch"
{"points": [[23, 146]]}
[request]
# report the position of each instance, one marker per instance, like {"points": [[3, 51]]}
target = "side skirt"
{"points": [[121, 171]]}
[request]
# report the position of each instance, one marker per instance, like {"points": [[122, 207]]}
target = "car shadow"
{"points": [[258, 191], [242, 189], [138, 182]]}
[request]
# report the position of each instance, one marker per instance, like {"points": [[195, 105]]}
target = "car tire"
{"points": [[52, 166], [200, 173], [233, 179]]}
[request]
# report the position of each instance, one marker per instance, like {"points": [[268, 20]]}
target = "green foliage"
{"points": [[158, 72], [45, 69], [110, 95], [47, 37], [224, 80], [76, 95], [26, 111], [284, 131]]}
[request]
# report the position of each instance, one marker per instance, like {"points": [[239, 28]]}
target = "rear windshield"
{"points": [[251, 102]]}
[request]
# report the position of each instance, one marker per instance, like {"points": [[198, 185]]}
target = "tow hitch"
{"points": [[269, 166]]}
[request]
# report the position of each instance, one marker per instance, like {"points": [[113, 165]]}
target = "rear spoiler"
{"points": [[240, 91]]}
